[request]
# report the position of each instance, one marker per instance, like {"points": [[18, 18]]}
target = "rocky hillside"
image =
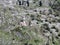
{"points": [[29, 22]]}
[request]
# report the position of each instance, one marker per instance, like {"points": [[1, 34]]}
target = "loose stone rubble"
{"points": [[30, 22]]}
